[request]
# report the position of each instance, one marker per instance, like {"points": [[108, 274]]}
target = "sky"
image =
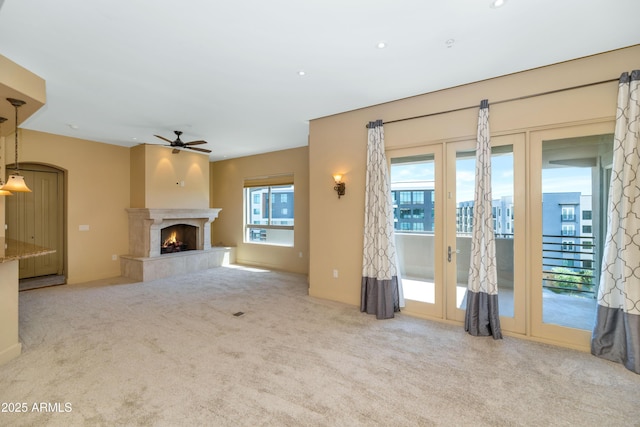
{"points": [[569, 179]]}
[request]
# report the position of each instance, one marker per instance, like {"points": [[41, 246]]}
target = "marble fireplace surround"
{"points": [[144, 260]]}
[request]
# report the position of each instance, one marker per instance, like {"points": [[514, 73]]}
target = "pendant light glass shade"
{"points": [[16, 183]]}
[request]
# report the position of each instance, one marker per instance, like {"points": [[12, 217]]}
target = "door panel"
{"points": [[416, 191], [36, 218], [569, 184], [507, 162]]}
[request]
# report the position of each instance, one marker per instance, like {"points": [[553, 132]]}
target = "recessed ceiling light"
{"points": [[381, 45], [74, 127], [301, 73], [497, 3], [450, 42]]}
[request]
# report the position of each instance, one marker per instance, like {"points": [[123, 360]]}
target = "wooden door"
{"points": [[37, 218]]}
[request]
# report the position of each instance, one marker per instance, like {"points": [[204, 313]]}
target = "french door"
{"points": [[507, 164], [570, 174], [417, 192], [433, 190], [549, 191]]}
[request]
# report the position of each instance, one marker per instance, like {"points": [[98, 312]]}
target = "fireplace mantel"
{"points": [[145, 261], [145, 225]]}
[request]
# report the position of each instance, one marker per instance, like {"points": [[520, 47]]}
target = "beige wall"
{"points": [[16, 82], [3, 175], [161, 179], [20, 83], [97, 193], [337, 144], [227, 180]]}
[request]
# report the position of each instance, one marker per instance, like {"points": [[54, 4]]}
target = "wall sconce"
{"points": [[339, 187]]}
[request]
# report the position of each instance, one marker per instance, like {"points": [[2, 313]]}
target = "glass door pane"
{"points": [[507, 175], [502, 184], [569, 180], [574, 183], [412, 189], [415, 193], [465, 187]]}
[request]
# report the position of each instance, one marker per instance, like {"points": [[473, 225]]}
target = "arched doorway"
{"points": [[38, 218]]}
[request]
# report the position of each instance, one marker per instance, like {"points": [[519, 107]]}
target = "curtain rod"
{"points": [[505, 100]]}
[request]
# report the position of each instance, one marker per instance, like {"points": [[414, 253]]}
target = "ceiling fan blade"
{"points": [[195, 142], [204, 150], [164, 139]]}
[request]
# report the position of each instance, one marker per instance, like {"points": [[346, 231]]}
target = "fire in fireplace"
{"points": [[178, 238]]}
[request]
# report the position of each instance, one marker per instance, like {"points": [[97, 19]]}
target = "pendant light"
{"points": [[15, 182], [3, 192]]}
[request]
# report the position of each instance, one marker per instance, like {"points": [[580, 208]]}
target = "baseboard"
{"points": [[10, 353]]}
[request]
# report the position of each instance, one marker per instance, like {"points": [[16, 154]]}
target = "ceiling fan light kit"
{"points": [[179, 144]]}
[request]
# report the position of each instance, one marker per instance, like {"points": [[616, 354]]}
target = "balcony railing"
{"points": [[563, 270], [569, 267]]}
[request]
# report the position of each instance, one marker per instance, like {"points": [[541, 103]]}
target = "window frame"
{"points": [[267, 183]]}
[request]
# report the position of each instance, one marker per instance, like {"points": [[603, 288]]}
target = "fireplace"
{"points": [[152, 254], [178, 238]]}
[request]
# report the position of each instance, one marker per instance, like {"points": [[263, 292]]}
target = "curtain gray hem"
{"points": [[481, 317], [380, 297], [616, 337]]}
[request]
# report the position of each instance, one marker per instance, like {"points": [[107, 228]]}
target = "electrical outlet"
{"points": [[335, 274], [114, 257]]}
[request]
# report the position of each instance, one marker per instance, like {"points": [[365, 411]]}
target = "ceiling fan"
{"points": [[179, 144]]}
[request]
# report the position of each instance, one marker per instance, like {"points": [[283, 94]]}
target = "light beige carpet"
{"points": [[171, 352]]}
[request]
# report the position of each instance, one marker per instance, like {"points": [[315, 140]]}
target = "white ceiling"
{"points": [[121, 71]]}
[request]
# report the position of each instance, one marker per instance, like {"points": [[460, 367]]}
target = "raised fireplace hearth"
{"points": [[170, 242]]}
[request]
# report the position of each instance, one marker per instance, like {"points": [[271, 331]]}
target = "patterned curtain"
{"points": [[381, 292], [482, 317], [616, 335]]}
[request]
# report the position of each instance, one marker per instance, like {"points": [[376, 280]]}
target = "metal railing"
{"points": [[569, 266]]}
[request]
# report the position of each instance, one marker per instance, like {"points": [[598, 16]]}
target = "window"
{"points": [[271, 223], [405, 197], [586, 214], [568, 213], [587, 229], [567, 246], [568, 230]]}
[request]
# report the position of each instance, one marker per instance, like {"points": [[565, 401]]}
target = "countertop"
{"points": [[11, 250]]}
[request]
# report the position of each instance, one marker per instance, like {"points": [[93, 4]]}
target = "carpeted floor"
{"points": [[171, 352]]}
